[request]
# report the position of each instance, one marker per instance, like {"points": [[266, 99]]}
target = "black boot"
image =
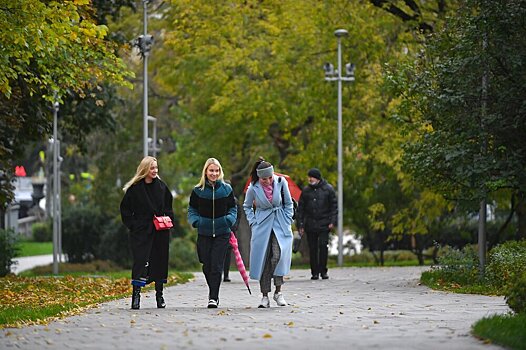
{"points": [[136, 298], [159, 295]]}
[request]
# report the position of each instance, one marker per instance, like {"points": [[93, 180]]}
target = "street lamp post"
{"points": [[144, 42], [56, 192], [332, 75]]}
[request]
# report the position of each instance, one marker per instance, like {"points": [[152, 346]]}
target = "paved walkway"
{"points": [[28, 262], [357, 308]]}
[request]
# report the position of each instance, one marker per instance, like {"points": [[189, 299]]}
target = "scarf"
{"points": [[268, 191]]}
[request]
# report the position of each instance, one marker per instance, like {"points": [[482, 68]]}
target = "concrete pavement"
{"points": [[357, 308], [28, 262]]}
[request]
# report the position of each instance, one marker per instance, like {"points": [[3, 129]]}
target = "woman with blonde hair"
{"points": [[146, 195], [213, 211]]}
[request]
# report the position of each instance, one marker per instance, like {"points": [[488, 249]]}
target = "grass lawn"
{"points": [[28, 248], [505, 330], [39, 299]]}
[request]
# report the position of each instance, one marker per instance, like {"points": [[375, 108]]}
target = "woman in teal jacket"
{"points": [[212, 210], [270, 222]]}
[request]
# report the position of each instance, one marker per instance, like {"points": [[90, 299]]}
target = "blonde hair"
{"points": [[142, 171], [208, 162]]}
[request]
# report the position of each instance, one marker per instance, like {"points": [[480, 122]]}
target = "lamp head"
{"points": [[329, 69], [349, 69], [341, 32]]}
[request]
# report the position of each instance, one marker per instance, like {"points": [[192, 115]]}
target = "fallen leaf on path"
{"points": [[266, 335]]}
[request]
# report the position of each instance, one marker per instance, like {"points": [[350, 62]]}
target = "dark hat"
{"points": [[314, 172]]}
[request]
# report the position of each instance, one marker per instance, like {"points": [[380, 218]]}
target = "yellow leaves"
{"points": [[69, 295], [267, 335], [375, 212], [62, 50]]}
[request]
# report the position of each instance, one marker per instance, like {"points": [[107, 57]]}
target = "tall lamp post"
{"points": [[144, 42], [336, 75], [57, 226]]}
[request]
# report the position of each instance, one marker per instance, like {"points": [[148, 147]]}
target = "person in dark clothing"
{"points": [[317, 216], [228, 256], [146, 195], [212, 210]]}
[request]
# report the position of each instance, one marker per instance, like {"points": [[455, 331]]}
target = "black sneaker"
{"points": [[212, 304], [226, 279], [314, 277], [324, 276]]}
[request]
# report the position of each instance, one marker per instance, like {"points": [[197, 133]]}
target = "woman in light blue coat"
{"points": [[269, 209]]}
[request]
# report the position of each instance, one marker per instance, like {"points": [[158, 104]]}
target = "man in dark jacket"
{"points": [[317, 216]]}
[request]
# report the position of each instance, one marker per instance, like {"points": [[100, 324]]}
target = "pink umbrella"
{"points": [[239, 260]]}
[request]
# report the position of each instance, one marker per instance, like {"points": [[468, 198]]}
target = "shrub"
{"points": [[42, 231], [82, 228], [516, 294], [8, 250], [95, 266], [461, 266], [114, 244], [365, 256], [183, 254], [399, 255], [506, 262]]}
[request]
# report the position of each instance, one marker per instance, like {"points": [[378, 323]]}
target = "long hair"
{"points": [[142, 171], [209, 161], [260, 164]]}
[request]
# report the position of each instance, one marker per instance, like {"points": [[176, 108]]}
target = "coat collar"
{"points": [[260, 193]]}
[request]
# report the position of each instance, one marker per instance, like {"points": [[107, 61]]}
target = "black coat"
{"points": [[138, 206], [317, 208]]}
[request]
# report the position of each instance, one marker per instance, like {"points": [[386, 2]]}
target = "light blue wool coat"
{"points": [[268, 217]]}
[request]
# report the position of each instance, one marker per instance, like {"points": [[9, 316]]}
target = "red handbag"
{"points": [[162, 222]]}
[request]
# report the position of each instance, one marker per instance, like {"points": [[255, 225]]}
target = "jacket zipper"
{"points": [[213, 210]]}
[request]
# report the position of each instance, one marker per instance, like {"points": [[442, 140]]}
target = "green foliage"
{"points": [[506, 263], [458, 270], [94, 267], [390, 256], [114, 244], [505, 330], [459, 266], [8, 250], [82, 229], [42, 231], [50, 47], [464, 100], [365, 256], [183, 254], [516, 293]]}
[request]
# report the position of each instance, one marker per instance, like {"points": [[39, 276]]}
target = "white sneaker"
{"points": [[278, 297], [265, 303], [212, 304]]}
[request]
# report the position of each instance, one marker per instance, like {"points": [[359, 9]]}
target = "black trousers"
{"points": [[211, 252], [318, 251], [228, 255]]}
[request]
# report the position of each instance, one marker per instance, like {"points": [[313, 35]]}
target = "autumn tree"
{"points": [[465, 98], [49, 50]]}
